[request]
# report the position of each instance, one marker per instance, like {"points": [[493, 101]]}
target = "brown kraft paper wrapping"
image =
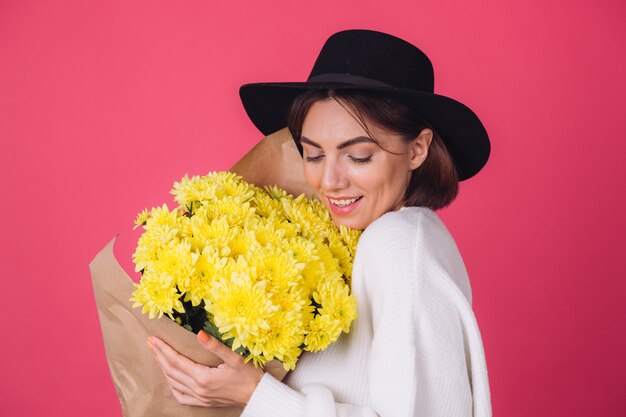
{"points": [[138, 379], [274, 161]]}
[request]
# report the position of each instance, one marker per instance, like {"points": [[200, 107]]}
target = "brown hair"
{"points": [[435, 183]]}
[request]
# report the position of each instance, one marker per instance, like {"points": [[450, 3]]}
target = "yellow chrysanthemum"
{"points": [[149, 244], [337, 302], [185, 230], [281, 340], [273, 231], [331, 264], [232, 209], [176, 260], [243, 243], [301, 249], [239, 266], [296, 300], [265, 205], [157, 294], [321, 212], [216, 233], [298, 211], [323, 330], [225, 177], [162, 216], [287, 229], [240, 307], [280, 269], [209, 267], [235, 188], [190, 191], [142, 218], [340, 252], [350, 238], [278, 193], [311, 274]]}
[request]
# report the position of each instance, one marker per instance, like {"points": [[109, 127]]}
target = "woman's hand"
{"points": [[230, 384]]}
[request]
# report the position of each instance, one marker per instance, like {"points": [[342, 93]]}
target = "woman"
{"points": [[381, 151]]}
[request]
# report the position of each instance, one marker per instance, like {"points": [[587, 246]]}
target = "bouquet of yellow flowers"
{"points": [[266, 273]]}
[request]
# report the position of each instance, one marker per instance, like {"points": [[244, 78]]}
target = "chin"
{"points": [[351, 223]]}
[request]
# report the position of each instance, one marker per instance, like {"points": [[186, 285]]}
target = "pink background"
{"points": [[104, 104]]}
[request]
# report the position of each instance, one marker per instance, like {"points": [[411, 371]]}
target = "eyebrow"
{"points": [[349, 142]]}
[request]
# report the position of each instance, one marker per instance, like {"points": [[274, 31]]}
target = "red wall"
{"points": [[104, 104]]}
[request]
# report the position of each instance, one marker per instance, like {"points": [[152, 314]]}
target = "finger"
{"points": [[196, 378], [191, 400], [171, 371], [219, 349], [174, 365], [174, 358], [175, 385], [187, 399]]}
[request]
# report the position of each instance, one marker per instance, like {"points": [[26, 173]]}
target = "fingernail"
{"points": [[203, 336], [150, 343]]}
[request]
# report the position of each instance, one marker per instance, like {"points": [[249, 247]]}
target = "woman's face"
{"points": [[354, 177]]}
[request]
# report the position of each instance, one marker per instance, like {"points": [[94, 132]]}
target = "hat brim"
{"points": [[464, 135]]}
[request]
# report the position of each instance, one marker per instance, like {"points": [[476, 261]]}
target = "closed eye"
{"points": [[314, 158], [361, 160]]}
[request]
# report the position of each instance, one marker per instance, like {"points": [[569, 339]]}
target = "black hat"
{"points": [[369, 60]]}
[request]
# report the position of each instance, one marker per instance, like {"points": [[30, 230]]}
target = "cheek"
{"points": [[372, 184], [312, 176], [308, 173], [388, 184]]}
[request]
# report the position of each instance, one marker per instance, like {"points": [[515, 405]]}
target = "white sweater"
{"points": [[415, 349]]}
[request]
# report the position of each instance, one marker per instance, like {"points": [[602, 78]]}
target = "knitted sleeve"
{"points": [[422, 352]]}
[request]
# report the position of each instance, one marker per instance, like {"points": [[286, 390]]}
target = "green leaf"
{"points": [[212, 329]]}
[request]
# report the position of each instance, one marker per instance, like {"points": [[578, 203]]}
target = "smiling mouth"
{"points": [[344, 202]]}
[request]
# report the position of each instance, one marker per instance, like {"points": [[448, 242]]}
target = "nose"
{"points": [[334, 176]]}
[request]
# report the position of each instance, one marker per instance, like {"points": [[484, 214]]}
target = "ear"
{"points": [[418, 148]]}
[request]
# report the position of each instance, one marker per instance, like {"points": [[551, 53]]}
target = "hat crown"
{"points": [[376, 56]]}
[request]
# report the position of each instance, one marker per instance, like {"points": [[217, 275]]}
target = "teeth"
{"points": [[343, 203]]}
